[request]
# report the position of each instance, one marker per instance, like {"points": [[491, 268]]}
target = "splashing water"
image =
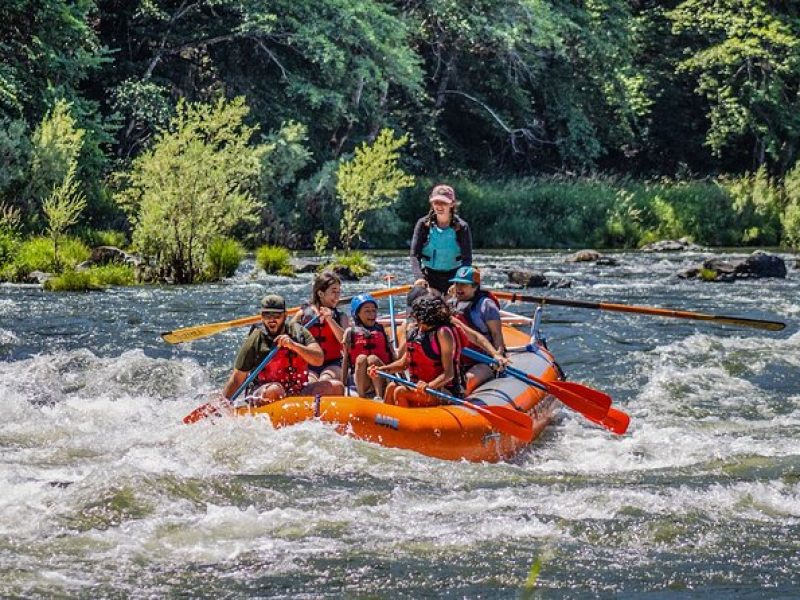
{"points": [[107, 493]]}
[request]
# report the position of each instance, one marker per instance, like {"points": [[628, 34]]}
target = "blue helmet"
{"points": [[358, 301]]}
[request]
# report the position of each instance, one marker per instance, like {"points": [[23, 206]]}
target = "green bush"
{"points": [[71, 281], [9, 243], [105, 237], [222, 258], [355, 261], [112, 274], [602, 212], [275, 260], [36, 254], [791, 214]]}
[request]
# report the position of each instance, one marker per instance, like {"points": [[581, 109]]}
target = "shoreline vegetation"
{"points": [[187, 135], [550, 213]]}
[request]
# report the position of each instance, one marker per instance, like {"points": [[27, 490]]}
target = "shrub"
{"points": [[8, 246], [222, 258], [71, 281], [369, 181], [199, 175], [112, 274], [275, 259], [355, 261], [105, 237], [791, 215], [36, 254]]}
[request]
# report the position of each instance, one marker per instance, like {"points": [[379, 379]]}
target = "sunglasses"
{"points": [[266, 314]]}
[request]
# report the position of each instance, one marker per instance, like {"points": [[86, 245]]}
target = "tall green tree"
{"points": [[371, 180], [197, 182], [746, 57], [62, 209]]}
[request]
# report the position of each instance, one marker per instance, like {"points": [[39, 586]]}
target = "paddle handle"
{"points": [[254, 373], [411, 384]]}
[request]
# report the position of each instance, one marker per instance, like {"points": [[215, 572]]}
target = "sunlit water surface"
{"points": [[106, 493]]}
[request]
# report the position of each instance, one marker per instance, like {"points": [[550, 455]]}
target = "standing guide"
{"points": [[442, 241]]}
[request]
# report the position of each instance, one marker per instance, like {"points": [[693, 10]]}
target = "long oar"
{"points": [[211, 408], [583, 399], [196, 332], [502, 418], [644, 310]]}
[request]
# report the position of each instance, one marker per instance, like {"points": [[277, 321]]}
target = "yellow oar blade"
{"points": [[187, 334], [197, 332]]}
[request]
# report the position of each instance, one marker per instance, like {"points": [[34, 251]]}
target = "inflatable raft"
{"points": [[447, 432]]}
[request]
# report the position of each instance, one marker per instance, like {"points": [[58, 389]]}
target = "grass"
{"points": [[355, 261], [71, 281], [103, 237], [275, 260], [222, 258], [95, 278], [36, 254]]}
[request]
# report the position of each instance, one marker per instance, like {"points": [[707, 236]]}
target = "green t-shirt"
{"points": [[259, 343]]}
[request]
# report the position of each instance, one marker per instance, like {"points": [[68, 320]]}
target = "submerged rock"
{"points": [[526, 278], [304, 265], [759, 264], [530, 279], [592, 256], [681, 245]]}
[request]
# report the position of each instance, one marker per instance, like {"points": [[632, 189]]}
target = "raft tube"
{"points": [[446, 432]]}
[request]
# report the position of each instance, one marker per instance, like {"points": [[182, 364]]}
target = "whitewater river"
{"points": [[105, 493]]}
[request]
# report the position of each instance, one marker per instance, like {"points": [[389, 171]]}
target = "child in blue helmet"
{"points": [[365, 344]]}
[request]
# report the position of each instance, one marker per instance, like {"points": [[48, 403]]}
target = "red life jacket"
{"points": [[324, 335], [369, 340], [465, 316], [287, 368], [425, 356]]}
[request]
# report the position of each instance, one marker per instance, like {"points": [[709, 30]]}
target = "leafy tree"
{"points": [[196, 183], [62, 209], [49, 49], [370, 180], [14, 157], [746, 57], [57, 142]]}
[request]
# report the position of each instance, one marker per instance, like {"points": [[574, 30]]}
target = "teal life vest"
{"points": [[441, 252]]}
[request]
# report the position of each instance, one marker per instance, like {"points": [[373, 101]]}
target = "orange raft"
{"points": [[446, 432]]}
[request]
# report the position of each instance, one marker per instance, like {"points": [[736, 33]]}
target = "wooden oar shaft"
{"points": [[644, 310], [196, 332]]}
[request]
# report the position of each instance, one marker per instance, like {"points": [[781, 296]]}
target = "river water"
{"points": [[105, 493]]}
